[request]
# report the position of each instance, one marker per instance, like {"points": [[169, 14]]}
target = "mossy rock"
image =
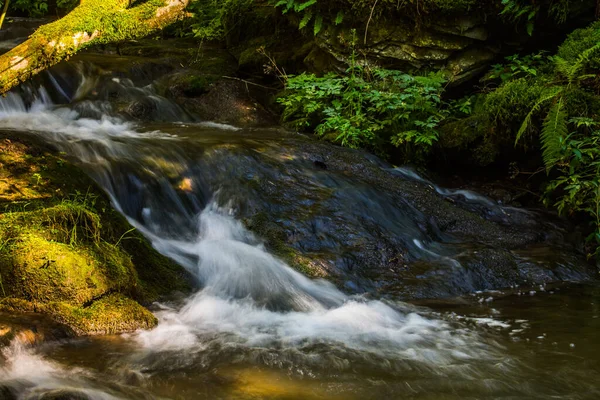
{"points": [[311, 265], [43, 270], [112, 314], [579, 41], [66, 253]]}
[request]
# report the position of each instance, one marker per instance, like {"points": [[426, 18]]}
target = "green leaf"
{"points": [[305, 19], [530, 26], [537, 106], [318, 24], [553, 133], [305, 5]]}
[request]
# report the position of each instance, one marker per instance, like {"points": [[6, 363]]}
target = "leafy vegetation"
{"points": [[527, 11], [368, 107], [212, 19], [553, 101], [310, 14], [34, 8], [578, 183], [517, 66]]}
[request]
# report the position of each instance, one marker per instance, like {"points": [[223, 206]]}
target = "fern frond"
{"points": [[305, 19], [553, 133], [571, 70], [318, 24], [536, 108]]}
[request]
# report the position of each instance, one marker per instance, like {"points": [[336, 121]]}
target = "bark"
{"points": [[92, 22]]}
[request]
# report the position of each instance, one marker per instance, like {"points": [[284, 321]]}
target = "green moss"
{"points": [[114, 313], [510, 103], [65, 252], [158, 276], [579, 41], [41, 270], [109, 17], [475, 135]]}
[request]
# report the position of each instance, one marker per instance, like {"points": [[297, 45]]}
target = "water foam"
{"points": [[34, 377], [254, 300]]}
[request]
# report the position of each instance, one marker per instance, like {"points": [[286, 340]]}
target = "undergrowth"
{"points": [[368, 107], [552, 104]]}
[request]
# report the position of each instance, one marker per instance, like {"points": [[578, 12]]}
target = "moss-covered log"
{"points": [[92, 22]]}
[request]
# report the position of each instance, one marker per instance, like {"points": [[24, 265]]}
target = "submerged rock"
{"points": [[64, 394]]}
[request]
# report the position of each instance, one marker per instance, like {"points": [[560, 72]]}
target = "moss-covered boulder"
{"points": [[456, 45], [66, 253], [111, 314]]}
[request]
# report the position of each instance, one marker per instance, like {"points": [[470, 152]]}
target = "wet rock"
{"points": [[64, 394], [468, 64], [8, 393], [455, 45], [368, 229], [225, 101]]}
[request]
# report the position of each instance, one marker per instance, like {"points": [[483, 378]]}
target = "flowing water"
{"points": [[257, 328]]}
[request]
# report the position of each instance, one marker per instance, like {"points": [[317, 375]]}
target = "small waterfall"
{"points": [[251, 303]]}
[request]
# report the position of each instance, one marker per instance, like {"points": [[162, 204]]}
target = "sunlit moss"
{"points": [[66, 253], [114, 313]]}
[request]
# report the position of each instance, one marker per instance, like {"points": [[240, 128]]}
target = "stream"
{"points": [[486, 301]]}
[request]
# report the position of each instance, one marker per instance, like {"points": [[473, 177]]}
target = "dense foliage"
{"points": [[213, 18], [363, 109], [551, 103], [368, 107]]}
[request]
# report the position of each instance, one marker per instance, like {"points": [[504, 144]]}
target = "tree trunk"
{"points": [[92, 22]]}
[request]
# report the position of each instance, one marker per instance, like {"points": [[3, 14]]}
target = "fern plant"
{"points": [[572, 71], [569, 135], [527, 11], [569, 74], [577, 187], [554, 132], [517, 10]]}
